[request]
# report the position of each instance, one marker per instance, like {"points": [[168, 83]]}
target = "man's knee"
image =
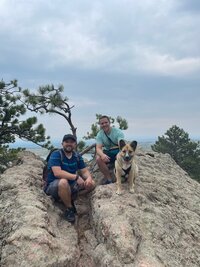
{"points": [[63, 184]]}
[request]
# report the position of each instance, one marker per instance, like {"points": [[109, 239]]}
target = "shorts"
{"points": [[52, 189], [112, 153]]}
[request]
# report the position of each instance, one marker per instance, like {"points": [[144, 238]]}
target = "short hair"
{"points": [[104, 117]]}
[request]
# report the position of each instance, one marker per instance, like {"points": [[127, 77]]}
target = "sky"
{"points": [[136, 59]]}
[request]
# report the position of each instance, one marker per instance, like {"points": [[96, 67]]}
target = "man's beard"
{"points": [[68, 149]]}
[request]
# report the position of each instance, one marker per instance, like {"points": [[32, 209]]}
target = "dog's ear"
{"points": [[133, 144], [121, 144]]}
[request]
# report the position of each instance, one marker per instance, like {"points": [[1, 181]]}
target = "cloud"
{"points": [[192, 6], [120, 37], [137, 59], [165, 64]]}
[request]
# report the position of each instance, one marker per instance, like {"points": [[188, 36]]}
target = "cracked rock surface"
{"points": [[157, 226]]}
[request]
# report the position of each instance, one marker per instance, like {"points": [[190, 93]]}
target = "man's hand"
{"points": [[105, 158], [89, 183], [80, 182]]}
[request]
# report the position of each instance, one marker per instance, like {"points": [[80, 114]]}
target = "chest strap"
{"points": [[126, 171]]}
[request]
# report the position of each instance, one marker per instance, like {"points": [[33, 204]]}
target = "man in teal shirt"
{"points": [[107, 141]]}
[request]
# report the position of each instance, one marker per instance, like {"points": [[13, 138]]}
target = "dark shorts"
{"points": [[52, 189], [112, 153]]}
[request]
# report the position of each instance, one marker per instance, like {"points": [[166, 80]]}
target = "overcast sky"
{"points": [[137, 59]]}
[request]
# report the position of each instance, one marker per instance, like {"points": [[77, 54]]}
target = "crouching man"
{"points": [[63, 178]]}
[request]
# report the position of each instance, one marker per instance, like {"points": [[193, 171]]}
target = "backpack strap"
{"points": [[61, 154], [77, 155], [110, 139], [53, 150]]}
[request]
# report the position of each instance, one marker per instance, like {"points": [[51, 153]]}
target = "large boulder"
{"points": [[32, 231], [157, 226]]}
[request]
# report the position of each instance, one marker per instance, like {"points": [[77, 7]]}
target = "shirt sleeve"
{"points": [[99, 140], [120, 135], [55, 159]]}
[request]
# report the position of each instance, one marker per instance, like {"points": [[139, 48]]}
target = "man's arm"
{"points": [[100, 153], [61, 174], [54, 163], [99, 149], [86, 174], [120, 135]]}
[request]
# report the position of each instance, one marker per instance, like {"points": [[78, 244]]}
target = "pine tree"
{"points": [[49, 100], [185, 152], [13, 123]]}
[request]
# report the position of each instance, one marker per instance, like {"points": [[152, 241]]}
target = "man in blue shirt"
{"points": [[63, 177], [107, 141]]}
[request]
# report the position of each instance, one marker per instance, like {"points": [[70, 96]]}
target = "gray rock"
{"points": [[157, 226], [32, 231]]}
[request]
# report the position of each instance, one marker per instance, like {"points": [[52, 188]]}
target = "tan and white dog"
{"points": [[125, 165]]}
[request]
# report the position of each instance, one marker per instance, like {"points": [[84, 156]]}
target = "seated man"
{"points": [[107, 146], [63, 177]]}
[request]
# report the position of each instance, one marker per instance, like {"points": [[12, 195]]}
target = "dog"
{"points": [[125, 165]]}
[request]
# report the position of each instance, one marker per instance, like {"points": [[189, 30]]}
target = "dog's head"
{"points": [[127, 151]]}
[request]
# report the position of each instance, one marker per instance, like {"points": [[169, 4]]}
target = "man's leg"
{"points": [[64, 192], [103, 168], [60, 189]]}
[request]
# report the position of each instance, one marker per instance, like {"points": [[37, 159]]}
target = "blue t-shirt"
{"points": [[115, 135], [71, 165]]}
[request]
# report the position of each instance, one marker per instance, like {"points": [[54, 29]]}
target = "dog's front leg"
{"points": [[131, 179], [118, 182]]}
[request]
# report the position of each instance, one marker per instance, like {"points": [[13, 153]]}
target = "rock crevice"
{"points": [[157, 226]]}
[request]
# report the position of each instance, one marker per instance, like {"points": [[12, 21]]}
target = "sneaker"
{"points": [[69, 215], [107, 181]]}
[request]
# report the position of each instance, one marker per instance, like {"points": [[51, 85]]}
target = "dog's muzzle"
{"points": [[127, 157]]}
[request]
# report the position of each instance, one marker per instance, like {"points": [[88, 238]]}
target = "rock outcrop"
{"points": [[157, 226], [31, 228]]}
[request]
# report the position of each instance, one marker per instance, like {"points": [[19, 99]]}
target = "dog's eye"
{"points": [[130, 151]]}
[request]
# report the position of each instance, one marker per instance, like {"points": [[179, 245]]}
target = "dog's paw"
{"points": [[131, 190], [118, 192]]}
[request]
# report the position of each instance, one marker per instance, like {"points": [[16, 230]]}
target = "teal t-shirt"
{"points": [[115, 135]]}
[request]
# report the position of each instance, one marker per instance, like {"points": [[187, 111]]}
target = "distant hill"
{"points": [[143, 143]]}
